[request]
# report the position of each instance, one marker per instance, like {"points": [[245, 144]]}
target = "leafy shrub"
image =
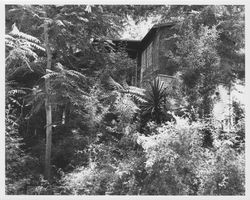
{"points": [[114, 168], [120, 178], [20, 166], [178, 164]]}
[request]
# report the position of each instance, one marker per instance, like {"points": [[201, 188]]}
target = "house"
{"points": [[154, 60], [153, 54]]}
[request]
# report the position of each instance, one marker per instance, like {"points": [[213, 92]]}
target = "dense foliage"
{"points": [[186, 167], [75, 124]]}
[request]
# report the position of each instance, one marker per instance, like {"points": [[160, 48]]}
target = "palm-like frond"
{"points": [[156, 102], [157, 92]]}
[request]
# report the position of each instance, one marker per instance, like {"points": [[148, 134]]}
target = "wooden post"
{"points": [[136, 68]]}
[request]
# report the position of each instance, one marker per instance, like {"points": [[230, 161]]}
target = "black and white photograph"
{"points": [[124, 99]]}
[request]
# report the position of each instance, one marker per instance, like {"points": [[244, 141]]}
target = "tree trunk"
{"points": [[63, 115], [48, 108], [229, 109], [67, 113]]}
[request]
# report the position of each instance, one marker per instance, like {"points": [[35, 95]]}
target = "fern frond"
{"points": [[51, 75], [26, 51], [137, 94], [59, 23], [37, 106], [126, 107], [14, 101], [125, 84], [74, 73], [114, 84], [49, 71], [25, 60], [36, 96], [16, 91], [82, 19], [136, 90], [22, 47], [10, 44], [138, 98], [35, 46], [11, 83], [9, 37], [48, 21], [85, 94], [37, 101], [59, 66], [16, 32], [68, 23]]}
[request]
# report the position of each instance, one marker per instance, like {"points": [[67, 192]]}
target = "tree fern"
{"points": [[61, 72], [16, 32], [21, 46], [154, 102], [126, 108], [64, 87], [134, 92]]}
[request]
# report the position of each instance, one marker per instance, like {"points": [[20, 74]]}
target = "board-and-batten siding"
{"points": [[146, 60], [153, 60]]}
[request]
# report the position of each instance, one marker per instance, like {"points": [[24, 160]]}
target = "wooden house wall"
{"points": [[159, 49], [167, 48], [149, 61], [162, 52]]}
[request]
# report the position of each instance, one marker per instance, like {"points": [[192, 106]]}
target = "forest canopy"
{"points": [[76, 123]]}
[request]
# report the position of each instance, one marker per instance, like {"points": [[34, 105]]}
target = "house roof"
{"points": [[153, 31], [133, 46]]}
